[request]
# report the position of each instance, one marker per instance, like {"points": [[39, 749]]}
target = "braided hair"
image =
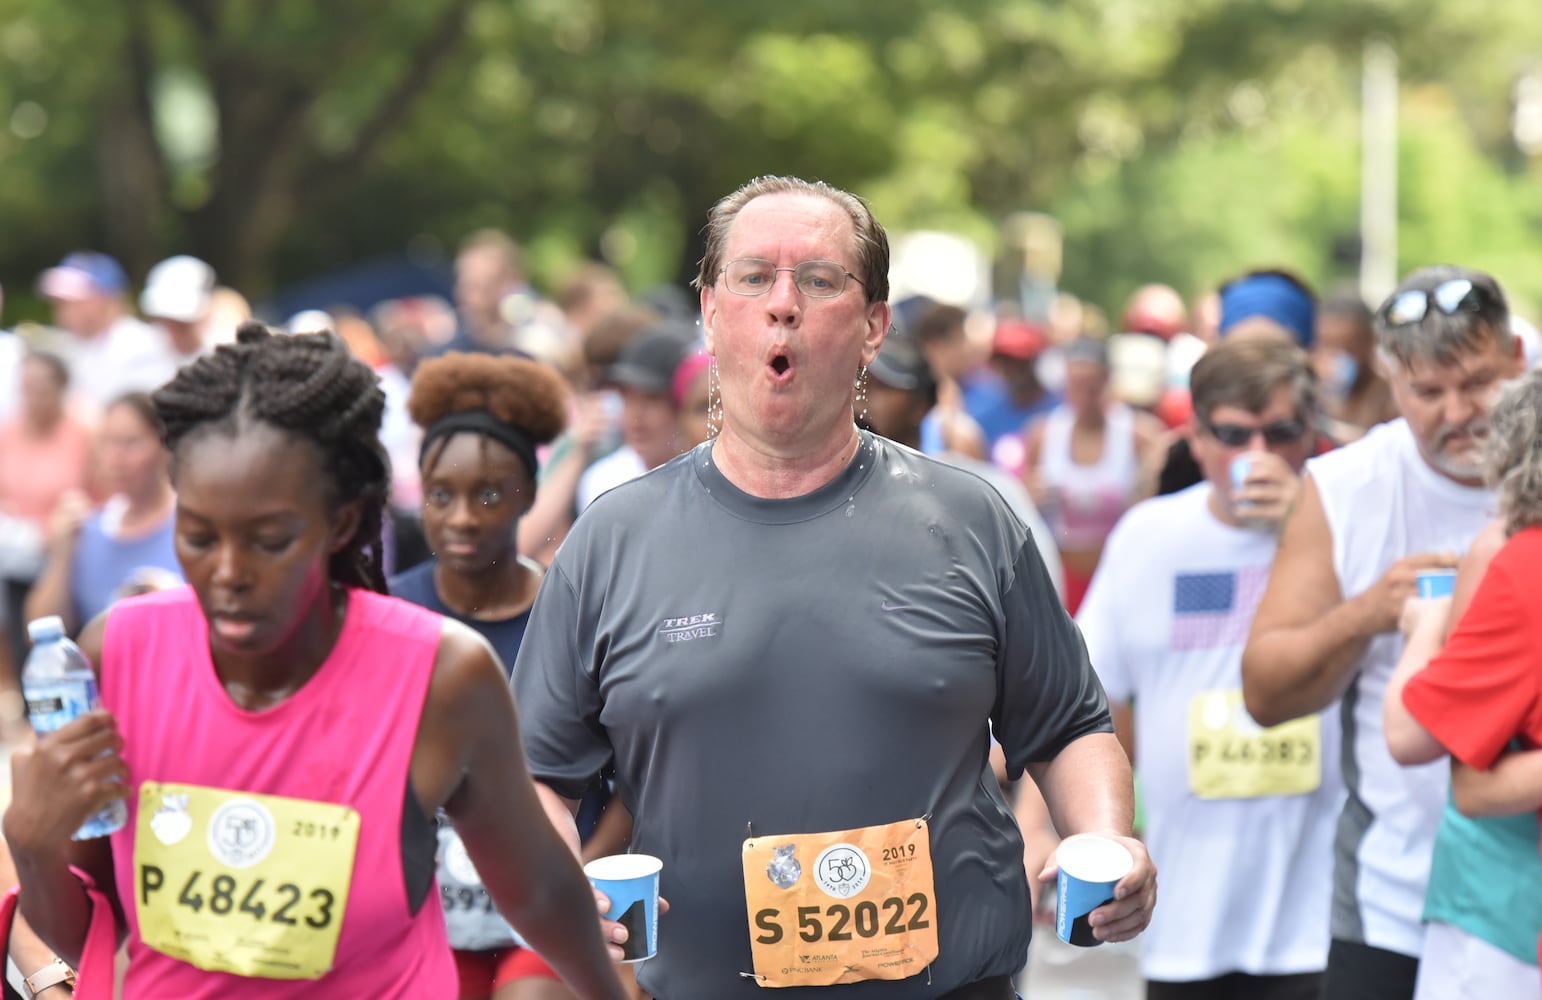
{"points": [[307, 385]]}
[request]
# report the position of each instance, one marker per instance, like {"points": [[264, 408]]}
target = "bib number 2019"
{"points": [[222, 895], [840, 922]]}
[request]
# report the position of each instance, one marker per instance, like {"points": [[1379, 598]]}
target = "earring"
{"points": [[859, 403], [714, 400]]}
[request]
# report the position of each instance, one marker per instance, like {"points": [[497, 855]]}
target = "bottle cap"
{"points": [[45, 629]]}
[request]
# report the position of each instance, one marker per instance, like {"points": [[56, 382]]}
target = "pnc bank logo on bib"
{"points": [[842, 870], [689, 628], [241, 833]]}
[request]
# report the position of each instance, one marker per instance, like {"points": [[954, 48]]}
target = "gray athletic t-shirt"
{"points": [[823, 663]]}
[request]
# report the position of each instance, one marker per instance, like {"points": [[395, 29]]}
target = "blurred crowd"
{"points": [[1079, 412], [1073, 417]]}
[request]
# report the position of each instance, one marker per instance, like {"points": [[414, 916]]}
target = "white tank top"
{"points": [[1383, 502], [1086, 501]]}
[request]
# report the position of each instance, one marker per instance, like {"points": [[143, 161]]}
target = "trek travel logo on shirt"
{"points": [[691, 627], [1212, 610]]}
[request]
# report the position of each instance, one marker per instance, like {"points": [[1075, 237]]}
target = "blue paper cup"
{"points": [[1436, 582], [1239, 471], [1240, 466], [1090, 867], [631, 882]]}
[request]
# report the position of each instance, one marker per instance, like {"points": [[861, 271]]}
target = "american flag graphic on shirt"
{"points": [[1211, 610]]}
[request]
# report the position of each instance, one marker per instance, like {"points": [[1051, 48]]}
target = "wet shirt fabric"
{"points": [[832, 662], [271, 861]]}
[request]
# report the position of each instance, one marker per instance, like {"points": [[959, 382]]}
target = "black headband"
{"points": [[482, 422]]}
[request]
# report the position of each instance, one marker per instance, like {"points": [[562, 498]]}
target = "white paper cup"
{"points": [[1090, 867], [631, 882]]}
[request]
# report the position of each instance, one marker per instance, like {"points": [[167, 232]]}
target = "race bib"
{"points": [[1233, 757], [470, 918], [845, 907], [254, 885]]}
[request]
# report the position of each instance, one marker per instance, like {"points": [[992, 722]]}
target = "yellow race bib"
{"points": [[254, 885], [844, 907], [1233, 757]]}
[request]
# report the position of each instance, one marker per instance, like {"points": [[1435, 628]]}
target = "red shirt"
{"points": [[1484, 688]]}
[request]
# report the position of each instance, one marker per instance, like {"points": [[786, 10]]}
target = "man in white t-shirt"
{"points": [[1406, 497], [109, 351], [1239, 819]]}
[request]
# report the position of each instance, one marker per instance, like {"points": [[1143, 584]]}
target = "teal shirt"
{"points": [[1486, 880]]}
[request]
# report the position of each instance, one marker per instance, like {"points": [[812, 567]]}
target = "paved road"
{"points": [[1057, 971]]}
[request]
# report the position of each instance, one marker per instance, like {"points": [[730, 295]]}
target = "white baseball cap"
{"points": [[178, 288]]}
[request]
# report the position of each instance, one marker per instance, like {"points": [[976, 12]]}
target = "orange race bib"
{"points": [[843, 907]]}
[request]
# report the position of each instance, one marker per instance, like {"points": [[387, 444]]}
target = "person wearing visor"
{"points": [[1261, 303], [1407, 497]]}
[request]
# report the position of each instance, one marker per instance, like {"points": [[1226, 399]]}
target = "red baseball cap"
{"points": [[1018, 338]]}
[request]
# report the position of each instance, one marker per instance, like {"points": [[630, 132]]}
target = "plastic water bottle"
{"points": [[59, 687]]}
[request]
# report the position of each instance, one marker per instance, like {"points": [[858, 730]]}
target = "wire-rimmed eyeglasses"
{"points": [[820, 279]]}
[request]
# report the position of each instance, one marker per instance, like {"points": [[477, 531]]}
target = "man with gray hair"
{"points": [[1405, 498]]}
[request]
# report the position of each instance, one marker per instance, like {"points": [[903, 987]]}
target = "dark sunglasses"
{"points": [[1450, 297], [1238, 436]]}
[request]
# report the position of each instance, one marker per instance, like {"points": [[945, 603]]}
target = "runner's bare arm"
{"points": [[1089, 789], [563, 814], [1039, 837], [1426, 623], [1124, 727], [1513, 785], [468, 759], [1305, 636], [56, 784]]}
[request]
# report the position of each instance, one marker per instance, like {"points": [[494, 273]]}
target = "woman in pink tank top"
{"points": [[1083, 459], [284, 732]]}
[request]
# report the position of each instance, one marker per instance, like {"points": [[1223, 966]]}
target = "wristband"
{"points": [[52, 974]]}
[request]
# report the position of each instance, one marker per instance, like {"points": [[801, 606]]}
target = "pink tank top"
{"points": [[1087, 500], [345, 737]]}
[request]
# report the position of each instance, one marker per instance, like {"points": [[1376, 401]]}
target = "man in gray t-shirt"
{"points": [[793, 644]]}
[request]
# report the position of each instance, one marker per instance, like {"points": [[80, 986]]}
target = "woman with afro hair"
{"points": [[483, 417]]}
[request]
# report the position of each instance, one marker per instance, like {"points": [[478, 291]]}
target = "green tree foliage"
{"points": [[1176, 141]]}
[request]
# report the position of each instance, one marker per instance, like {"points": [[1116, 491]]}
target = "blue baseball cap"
{"points": [[81, 275]]}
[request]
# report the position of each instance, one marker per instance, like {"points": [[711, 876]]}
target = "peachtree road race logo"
{"points": [[703, 626], [842, 870], [241, 833]]}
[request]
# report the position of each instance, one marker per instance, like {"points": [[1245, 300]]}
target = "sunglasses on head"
{"points": [[1451, 297], [1239, 436]]}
